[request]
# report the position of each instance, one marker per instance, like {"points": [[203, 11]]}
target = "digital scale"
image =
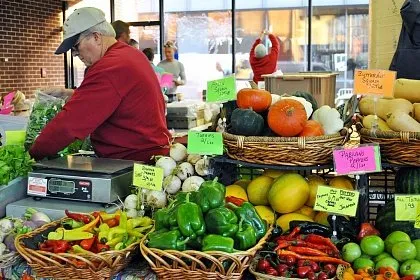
{"points": [[80, 178]]}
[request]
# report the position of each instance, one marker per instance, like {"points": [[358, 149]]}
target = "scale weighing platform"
{"points": [[89, 179]]}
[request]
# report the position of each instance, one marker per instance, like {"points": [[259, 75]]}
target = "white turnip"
{"points": [[185, 170], [172, 184], [192, 184], [156, 199], [178, 152], [167, 164]]}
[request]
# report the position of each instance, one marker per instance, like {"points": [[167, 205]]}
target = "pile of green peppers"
{"points": [[202, 221]]}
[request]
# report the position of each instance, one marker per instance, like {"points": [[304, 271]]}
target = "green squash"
{"points": [[407, 180], [309, 97], [246, 122], [386, 223]]}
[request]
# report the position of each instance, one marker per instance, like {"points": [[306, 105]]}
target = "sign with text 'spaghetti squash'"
{"points": [[374, 82]]}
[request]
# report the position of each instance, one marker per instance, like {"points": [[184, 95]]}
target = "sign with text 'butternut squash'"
{"points": [[374, 82], [337, 201]]}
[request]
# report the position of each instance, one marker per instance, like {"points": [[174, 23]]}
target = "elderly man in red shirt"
{"points": [[261, 62], [119, 103]]}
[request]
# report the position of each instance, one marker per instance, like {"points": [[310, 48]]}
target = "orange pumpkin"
{"points": [[287, 117], [312, 128], [258, 100]]}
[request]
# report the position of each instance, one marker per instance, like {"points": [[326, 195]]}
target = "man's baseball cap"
{"points": [[80, 20]]}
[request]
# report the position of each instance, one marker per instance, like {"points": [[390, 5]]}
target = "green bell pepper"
{"points": [[170, 240], [214, 242], [250, 216], [190, 219], [161, 218], [222, 221], [210, 195], [195, 244], [246, 236]]}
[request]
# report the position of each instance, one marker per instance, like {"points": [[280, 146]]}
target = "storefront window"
{"points": [[340, 41], [136, 10], [148, 37], [204, 40]]}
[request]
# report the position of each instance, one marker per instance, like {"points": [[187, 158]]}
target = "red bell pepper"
{"points": [[87, 243], [367, 229]]}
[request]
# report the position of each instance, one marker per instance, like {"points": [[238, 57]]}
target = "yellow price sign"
{"points": [[147, 177], [406, 207], [417, 222], [337, 201]]}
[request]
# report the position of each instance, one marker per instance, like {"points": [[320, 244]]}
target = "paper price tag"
{"points": [[363, 159], [406, 207], [205, 143], [379, 82], [37, 186], [336, 201], [417, 222], [15, 137], [221, 90], [148, 177]]}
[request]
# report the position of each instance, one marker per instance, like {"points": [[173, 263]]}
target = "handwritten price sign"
{"points": [[336, 201], [221, 90], [417, 222], [406, 207], [205, 143], [148, 177], [380, 82], [363, 159]]}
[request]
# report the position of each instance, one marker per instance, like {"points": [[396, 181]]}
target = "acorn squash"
{"points": [[246, 122]]}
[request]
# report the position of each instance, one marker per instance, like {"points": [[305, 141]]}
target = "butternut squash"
{"points": [[400, 121], [369, 120], [407, 89], [416, 113], [384, 106]]}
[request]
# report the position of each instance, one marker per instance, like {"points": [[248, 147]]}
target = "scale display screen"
{"points": [[61, 186]]}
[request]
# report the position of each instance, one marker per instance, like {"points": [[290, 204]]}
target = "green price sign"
{"points": [[205, 143], [221, 90], [337, 201], [406, 207], [147, 177]]}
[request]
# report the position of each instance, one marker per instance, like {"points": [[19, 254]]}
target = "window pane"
{"points": [[204, 40], [289, 25], [148, 37], [136, 10], [340, 40]]}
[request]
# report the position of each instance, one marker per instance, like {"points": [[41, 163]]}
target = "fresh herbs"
{"points": [[14, 162]]}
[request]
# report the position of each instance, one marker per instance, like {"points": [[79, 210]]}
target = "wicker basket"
{"points": [[401, 148], [9, 260], [291, 151], [71, 266], [170, 264]]}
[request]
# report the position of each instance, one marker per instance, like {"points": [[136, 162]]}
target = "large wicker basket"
{"points": [[291, 151], [170, 264], [71, 266], [401, 148]]}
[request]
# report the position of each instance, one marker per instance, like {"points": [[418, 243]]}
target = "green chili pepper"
{"points": [[250, 216], [190, 219], [210, 195], [170, 240], [222, 221], [214, 242], [246, 237]]}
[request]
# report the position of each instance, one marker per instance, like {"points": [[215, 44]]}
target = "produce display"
{"points": [[14, 162], [261, 113], [202, 221]]}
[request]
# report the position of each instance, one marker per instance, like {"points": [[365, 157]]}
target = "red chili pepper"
{"points": [[303, 270], [317, 239], [78, 217], [112, 222], [293, 233], [307, 251], [235, 200], [87, 243], [285, 253], [61, 246], [102, 247], [367, 229]]}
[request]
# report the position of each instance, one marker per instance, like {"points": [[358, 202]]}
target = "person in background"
{"points": [[261, 61], [122, 31], [173, 66], [119, 103], [133, 43], [150, 54]]}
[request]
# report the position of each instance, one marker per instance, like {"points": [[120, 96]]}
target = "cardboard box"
{"points": [[321, 85]]}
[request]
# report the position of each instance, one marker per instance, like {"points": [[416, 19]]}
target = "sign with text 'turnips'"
{"points": [[147, 177], [374, 82], [205, 143], [337, 201], [362, 159], [221, 90]]}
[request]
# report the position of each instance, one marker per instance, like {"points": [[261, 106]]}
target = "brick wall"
{"points": [[29, 34]]}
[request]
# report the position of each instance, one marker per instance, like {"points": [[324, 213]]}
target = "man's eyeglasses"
{"points": [[75, 47]]}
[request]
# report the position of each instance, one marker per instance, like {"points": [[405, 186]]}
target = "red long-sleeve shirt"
{"points": [[266, 64], [119, 104]]}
